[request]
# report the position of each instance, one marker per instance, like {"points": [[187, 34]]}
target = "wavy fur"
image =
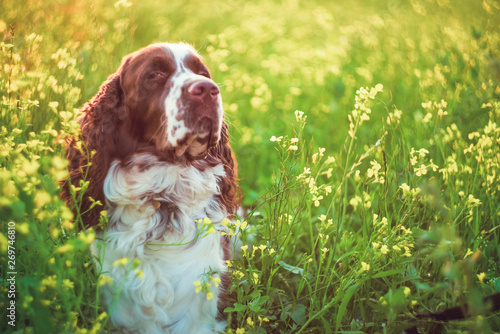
{"points": [[153, 192]]}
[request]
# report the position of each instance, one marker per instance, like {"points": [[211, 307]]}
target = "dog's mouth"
{"points": [[194, 146]]}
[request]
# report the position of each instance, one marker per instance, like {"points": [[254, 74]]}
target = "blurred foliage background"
{"points": [[439, 64]]}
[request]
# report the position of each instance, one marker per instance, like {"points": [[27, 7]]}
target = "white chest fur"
{"points": [[152, 206]]}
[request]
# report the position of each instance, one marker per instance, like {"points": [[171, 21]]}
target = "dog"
{"points": [[154, 148]]}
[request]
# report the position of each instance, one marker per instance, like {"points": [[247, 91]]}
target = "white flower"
{"points": [[276, 139]]}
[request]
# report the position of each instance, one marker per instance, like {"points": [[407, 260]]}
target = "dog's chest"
{"points": [[154, 209]]}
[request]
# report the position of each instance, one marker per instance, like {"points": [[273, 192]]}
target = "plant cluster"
{"points": [[375, 201]]}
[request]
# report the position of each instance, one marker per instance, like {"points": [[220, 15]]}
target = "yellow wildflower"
{"points": [[197, 284], [42, 198], [262, 320], [255, 278], [103, 279], [405, 230], [316, 200], [102, 316], [65, 248], [365, 266], [23, 228], [422, 152], [50, 281], [121, 262], [139, 273], [422, 170], [66, 283], [469, 252], [328, 190], [216, 281], [330, 160], [87, 237], [473, 201], [407, 252], [427, 118], [355, 201], [433, 166]]}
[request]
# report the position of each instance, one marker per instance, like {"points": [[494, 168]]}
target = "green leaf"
{"points": [[343, 305], [298, 313], [326, 325], [422, 286], [254, 308], [17, 209], [259, 330], [262, 300], [255, 294], [388, 273], [293, 269], [237, 308]]}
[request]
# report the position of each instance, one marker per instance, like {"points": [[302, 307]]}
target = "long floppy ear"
{"points": [[230, 199], [230, 192], [101, 124]]}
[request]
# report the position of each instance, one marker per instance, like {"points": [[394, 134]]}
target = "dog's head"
{"points": [[169, 102]]}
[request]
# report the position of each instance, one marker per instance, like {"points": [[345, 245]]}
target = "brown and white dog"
{"points": [[162, 161]]}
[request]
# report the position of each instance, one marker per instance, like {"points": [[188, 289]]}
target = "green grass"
{"points": [[386, 205]]}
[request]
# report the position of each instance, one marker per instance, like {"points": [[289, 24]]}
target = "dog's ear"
{"points": [[230, 192], [100, 123], [103, 114]]}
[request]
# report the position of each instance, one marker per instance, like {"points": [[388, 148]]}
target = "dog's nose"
{"points": [[204, 91]]}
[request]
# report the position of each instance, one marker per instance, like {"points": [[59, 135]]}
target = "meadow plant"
{"points": [[377, 200]]}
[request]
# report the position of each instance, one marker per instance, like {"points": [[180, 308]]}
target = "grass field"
{"points": [[367, 137]]}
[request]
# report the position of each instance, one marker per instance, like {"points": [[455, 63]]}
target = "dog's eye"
{"points": [[156, 76], [205, 74]]}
